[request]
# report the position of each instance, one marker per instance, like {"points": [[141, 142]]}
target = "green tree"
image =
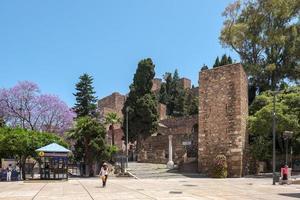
{"points": [[217, 62], [112, 119], [21, 144], [177, 97], [170, 94], [166, 90], [224, 61], [265, 33], [204, 67], [229, 60], [89, 137], [287, 119], [85, 99], [179, 101], [142, 103], [2, 122], [259, 102], [192, 103]]}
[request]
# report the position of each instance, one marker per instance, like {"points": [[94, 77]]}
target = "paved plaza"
{"points": [[162, 189]]}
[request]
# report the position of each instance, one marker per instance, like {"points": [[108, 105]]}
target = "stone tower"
{"points": [[223, 111]]}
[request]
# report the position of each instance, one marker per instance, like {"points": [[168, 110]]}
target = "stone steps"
{"points": [[156, 171]]}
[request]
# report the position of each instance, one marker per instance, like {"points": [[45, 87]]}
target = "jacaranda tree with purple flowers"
{"points": [[24, 106]]}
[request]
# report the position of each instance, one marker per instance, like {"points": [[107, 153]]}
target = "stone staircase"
{"points": [[156, 171]]}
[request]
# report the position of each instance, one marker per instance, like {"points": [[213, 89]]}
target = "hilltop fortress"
{"points": [[219, 127]]}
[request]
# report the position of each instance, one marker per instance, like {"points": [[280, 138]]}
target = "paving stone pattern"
{"points": [[162, 189]]}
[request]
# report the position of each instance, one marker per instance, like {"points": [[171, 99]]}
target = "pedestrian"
{"points": [[103, 174], [47, 172], [285, 172], [8, 173]]}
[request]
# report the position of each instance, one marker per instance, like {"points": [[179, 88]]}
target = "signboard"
{"points": [[41, 154], [6, 162], [48, 154], [186, 143]]}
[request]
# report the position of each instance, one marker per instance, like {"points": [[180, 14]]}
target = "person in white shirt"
{"points": [[103, 174], [8, 174]]}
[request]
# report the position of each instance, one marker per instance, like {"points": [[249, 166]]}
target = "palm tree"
{"points": [[112, 119]]}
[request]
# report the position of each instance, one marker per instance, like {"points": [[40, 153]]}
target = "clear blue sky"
{"points": [[52, 42]]}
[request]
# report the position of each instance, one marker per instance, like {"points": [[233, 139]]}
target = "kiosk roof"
{"points": [[53, 147]]}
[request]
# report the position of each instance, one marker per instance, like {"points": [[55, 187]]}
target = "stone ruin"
{"points": [[223, 111], [220, 127]]}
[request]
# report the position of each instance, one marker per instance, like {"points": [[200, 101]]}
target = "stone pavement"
{"points": [[161, 189]]}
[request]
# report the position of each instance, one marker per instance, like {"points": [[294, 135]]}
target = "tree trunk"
{"points": [[86, 156], [22, 167], [88, 162], [87, 170], [139, 144], [113, 135]]}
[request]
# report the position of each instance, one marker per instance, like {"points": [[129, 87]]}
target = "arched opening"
{"points": [[192, 149]]}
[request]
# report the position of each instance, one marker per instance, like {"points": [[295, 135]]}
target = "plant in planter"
{"points": [[220, 167]]}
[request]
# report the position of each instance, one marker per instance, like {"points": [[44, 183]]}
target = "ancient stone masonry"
{"points": [[111, 103], [223, 110], [186, 83], [156, 85], [183, 129], [156, 147]]}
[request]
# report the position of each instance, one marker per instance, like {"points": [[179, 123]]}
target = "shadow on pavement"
{"points": [[294, 195], [187, 174]]}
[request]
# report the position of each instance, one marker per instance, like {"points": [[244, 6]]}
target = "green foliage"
{"points": [[204, 67], [266, 36], [179, 101], [287, 119], [21, 143], [85, 99], [112, 119], [192, 104], [89, 138], [220, 167], [259, 102], [142, 103], [224, 61], [110, 151], [217, 62], [2, 122]]}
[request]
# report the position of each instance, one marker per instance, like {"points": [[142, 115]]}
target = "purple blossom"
{"points": [[24, 106]]}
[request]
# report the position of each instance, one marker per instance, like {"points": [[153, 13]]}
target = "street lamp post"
{"points": [[127, 110], [274, 138]]}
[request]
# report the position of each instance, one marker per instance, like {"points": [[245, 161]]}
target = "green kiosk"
{"points": [[54, 162]]}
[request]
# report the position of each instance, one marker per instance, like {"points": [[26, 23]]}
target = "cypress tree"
{"points": [[229, 60], [141, 104], [174, 95], [217, 62], [224, 60]]}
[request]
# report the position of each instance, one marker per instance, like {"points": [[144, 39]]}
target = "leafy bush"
{"points": [[220, 167]]}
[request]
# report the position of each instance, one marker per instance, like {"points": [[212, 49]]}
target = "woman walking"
{"points": [[103, 174]]}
